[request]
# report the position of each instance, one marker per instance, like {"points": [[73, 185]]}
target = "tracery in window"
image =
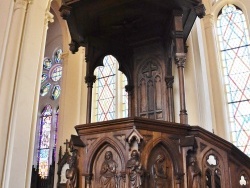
{"points": [[235, 56], [110, 98], [47, 127]]}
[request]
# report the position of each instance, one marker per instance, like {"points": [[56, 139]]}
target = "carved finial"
{"points": [[67, 146]]}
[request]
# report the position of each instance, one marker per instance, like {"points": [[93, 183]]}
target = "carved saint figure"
{"points": [[134, 170], [194, 172], [71, 173], [159, 171], [108, 171]]}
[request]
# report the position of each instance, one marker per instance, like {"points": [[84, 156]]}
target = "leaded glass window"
{"points": [[49, 105], [235, 56], [110, 98], [44, 142]]}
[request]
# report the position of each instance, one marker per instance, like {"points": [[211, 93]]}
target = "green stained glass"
{"points": [[47, 63], [44, 77], [45, 89], [58, 56], [56, 73], [56, 92]]}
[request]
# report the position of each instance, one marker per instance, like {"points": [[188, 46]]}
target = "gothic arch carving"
{"points": [[124, 66], [100, 146], [170, 147], [150, 102], [213, 163], [160, 167], [243, 178]]}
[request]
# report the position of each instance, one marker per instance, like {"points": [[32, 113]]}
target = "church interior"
{"points": [[125, 93]]}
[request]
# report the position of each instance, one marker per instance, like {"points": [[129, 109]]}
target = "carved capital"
{"points": [[129, 88], [169, 80], [65, 11], [89, 80], [208, 21], [180, 59], [22, 4]]}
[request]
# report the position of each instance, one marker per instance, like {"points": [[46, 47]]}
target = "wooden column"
{"points": [[129, 89], [169, 81], [180, 59], [89, 79]]}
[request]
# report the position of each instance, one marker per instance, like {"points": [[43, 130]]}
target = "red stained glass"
{"points": [[235, 54]]}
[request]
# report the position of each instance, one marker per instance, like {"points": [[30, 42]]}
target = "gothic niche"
{"points": [[150, 90], [193, 171], [159, 168], [107, 169]]}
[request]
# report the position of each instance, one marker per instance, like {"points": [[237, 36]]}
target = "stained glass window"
{"points": [[44, 143], [235, 55], [58, 55], [56, 92], [45, 89], [56, 73], [109, 91], [47, 128], [47, 63]]}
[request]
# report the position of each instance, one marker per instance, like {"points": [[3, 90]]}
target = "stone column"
{"points": [[215, 80], [20, 86], [89, 79], [7, 79]]}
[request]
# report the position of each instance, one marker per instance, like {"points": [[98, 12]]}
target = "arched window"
{"points": [[49, 104], [235, 56], [110, 98]]}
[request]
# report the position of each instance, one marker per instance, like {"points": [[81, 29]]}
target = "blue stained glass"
{"points": [[44, 77], [45, 89], [56, 73], [56, 92], [47, 63], [235, 55], [58, 56]]}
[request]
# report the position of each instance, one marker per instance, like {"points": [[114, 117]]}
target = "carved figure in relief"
{"points": [[71, 173], [108, 172], [193, 172], [159, 171], [134, 170]]}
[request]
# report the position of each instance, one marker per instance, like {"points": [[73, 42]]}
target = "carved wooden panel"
{"points": [[160, 168], [107, 169], [150, 90]]}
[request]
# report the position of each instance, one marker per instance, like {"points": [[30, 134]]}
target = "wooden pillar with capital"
{"points": [[180, 60], [89, 79]]}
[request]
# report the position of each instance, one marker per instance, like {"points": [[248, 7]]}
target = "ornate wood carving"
{"points": [[150, 90], [108, 172], [72, 172], [134, 170], [193, 171]]}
